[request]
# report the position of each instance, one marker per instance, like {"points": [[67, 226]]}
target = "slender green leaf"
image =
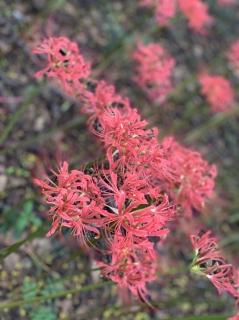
{"points": [[15, 247]]}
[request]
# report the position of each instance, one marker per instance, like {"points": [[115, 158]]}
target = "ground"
{"points": [[38, 124]]}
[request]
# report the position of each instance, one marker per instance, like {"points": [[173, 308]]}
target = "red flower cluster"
{"points": [[209, 261], [65, 63], [194, 181], [218, 92], [233, 56], [131, 196], [195, 11], [197, 14], [154, 70]]}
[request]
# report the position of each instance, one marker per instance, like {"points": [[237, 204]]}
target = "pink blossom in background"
{"points": [[226, 2], [148, 3], [218, 92], [196, 11], [236, 317], [154, 70], [233, 56], [165, 11]]}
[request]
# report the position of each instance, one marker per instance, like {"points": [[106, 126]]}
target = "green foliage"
{"points": [[52, 286], [43, 313], [31, 289], [20, 220]]}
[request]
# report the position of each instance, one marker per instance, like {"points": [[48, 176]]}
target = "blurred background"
{"points": [[39, 124]]}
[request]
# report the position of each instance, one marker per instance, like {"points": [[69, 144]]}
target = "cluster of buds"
{"points": [[122, 205], [195, 11]]}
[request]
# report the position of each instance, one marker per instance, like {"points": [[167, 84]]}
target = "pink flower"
{"points": [[226, 2], [165, 11], [132, 266], [235, 317], [218, 92], [65, 63], [102, 98], [197, 14], [194, 177], [74, 201], [209, 261], [130, 208], [233, 56], [154, 70]]}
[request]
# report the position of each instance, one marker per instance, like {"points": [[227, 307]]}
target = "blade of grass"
{"points": [[64, 293], [14, 247]]}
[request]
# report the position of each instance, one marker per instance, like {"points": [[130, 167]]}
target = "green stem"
{"points": [[37, 300]]}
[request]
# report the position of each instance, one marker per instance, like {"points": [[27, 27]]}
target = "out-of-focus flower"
{"points": [[165, 11], [197, 14], [154, 70], [218, 92], [226, 2], [147, 3], [235, 317]]}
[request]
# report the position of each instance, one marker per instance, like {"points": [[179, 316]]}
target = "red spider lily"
{"points": [[122, 130], [132, 265], [218, 92], [125, 194], [74, 200], [196, 11], [154, 70], [194, 182], [125, 200], [233, 56], [102, 98], [65, 63], [210, 261]]}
